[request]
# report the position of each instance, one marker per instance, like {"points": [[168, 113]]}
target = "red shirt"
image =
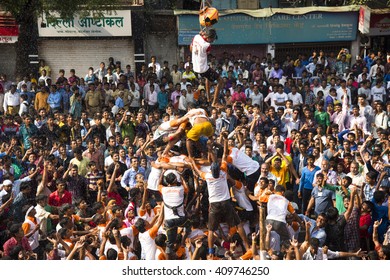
{"points": [[288, 143], [56, 200], [116, 196], [12, 242], [365, 219]]}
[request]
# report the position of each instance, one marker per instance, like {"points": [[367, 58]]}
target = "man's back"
{"points": [[199, 54], [277, 207]]}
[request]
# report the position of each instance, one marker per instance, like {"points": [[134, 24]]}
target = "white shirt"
{"points": [[360, 77], [359, 121], [218, 188], [23, 108], [366, 91], [243, 162], [147, 90], [320, 255], [271, 138], [11, 99], [42, 215], [107, 161], [340, 93], [374, 69], [380, 121], [182, 103], [136, 98], [270, 96], [378, 93], [358, 179], [268, 71], [324, 90], [257, 98], [295, 98], [279, 98], [190, 97], [129, 232], [153, 178], [152, 97], [148, 246], [109, 133], [242, 199], [277, 208], [291, 124], [200, 48], [173, 196], [157, 68]]}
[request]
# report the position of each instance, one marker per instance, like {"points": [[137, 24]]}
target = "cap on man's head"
{"points": [[7, 183]]}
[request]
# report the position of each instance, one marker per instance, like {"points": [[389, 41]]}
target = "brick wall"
{"points": [[81, 54]]}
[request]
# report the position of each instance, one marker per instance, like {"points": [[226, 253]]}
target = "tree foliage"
{"points": [[370, 3], [66, 8], [26, 13]]}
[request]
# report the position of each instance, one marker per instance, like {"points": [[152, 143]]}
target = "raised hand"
{"points": [[377, 223], [233, 246], [294, 242], [198, 243]]}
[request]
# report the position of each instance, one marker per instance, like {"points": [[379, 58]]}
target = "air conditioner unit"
{"points": [[365, 41]]}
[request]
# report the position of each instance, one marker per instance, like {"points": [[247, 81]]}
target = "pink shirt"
{"points": [[238, 97], [12, 242]]}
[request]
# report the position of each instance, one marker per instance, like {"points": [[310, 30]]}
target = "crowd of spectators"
{"points": [[82, 178]]}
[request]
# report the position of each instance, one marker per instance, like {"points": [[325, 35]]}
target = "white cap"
{"points": [[7, 183]]}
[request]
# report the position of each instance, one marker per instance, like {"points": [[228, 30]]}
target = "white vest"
{"points": [[277, 208], [33, 240]]}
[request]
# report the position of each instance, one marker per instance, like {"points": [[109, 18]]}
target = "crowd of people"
{"points": [[175, 162]]}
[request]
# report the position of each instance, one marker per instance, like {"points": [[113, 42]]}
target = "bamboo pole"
{"points": [[262, 227]]}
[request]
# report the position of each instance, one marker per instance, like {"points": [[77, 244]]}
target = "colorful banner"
{"points": [[280, 28], [364, 19], [113, 23]]}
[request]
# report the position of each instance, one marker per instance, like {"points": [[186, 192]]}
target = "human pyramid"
{"points": [[216, 164]]}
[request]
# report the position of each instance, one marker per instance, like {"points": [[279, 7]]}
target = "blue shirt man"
{"points": [[162, 99], [55, 99], [119, 102], [128, 179]]}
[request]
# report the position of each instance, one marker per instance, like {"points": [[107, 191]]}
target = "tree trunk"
{"points": [[27, 44]]}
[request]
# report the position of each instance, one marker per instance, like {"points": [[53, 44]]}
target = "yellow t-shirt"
{"points": [[281, 175]]}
